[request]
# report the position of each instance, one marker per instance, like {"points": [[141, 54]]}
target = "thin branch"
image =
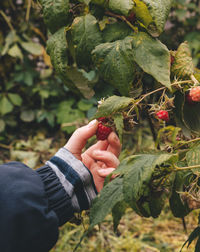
{"points": [[5, 146], [28, 10], [7, 20], [186, 167], [108, 13]]}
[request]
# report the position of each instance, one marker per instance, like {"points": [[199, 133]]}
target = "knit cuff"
{"points": [[75, 178]]}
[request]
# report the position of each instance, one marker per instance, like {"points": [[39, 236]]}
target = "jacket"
{"points": [[34, 203]]}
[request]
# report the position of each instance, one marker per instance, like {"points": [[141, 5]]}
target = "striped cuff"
{"points": [[75, 178]]}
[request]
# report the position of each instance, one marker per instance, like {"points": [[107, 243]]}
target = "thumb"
{"points": [[79, 138]]}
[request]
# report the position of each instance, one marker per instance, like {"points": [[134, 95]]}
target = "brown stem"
{"points": [[108, 13]]}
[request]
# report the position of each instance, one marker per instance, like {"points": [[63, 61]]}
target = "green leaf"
{"points": [[138, 171], [197, 246], [33, 48], [192, 237], [152, 14], [112, 105], [5, 105], [57, 49], [116, 31], [67, 116], [29, 158], [86, 36], [193, 156], [10, 39], [152, 56], [15, 52], [115, 63], [78, 78], [84, 105], [177, 206], [55, 13], [2, 125], [119, 124], [122, 7], [27, 115], [191, 116], [110, 195], [117, 212], [15, 99]]}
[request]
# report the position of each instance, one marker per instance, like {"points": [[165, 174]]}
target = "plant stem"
{"points": [[190, 141], [7, 20], [155, 91], [5, 146], [28, 10], [186, 167], [123, 19]]}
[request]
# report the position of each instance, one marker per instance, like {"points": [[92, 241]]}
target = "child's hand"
{"points": [[101, 158]]}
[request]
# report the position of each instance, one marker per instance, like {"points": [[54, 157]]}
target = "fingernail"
{"points": [[92, 123], [101, 172]]}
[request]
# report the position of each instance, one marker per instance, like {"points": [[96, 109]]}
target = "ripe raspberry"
{"points": [[195, 93], [103, 131], [163, 115], [102, 119]]}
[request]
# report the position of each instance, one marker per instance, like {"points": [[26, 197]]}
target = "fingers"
{"points": [[79, 138], [105, 172], [106, 157], [114, 144]]}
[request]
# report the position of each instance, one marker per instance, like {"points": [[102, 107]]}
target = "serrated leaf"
{"points": [[193, 156], [138, 173], [122, 7], [156, 203], [57, 49], [183, 66], [116, 31], [117, 212], [152, 56], [177, 206], [112, 105], [116, 64], [78, 78], [33, 48], [5, 105], [55, 13], [152, 14], [15, 99], [119, 124], [110, 195], [86, 36]]}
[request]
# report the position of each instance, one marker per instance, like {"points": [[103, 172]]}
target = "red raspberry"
{"points": [[102, 119], [163, 115], [188, 99], [195, 93], [103, 131]]}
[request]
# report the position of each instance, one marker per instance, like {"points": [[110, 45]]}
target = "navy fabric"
{"points": [[58, 199], [27, 224], [72, 176]]}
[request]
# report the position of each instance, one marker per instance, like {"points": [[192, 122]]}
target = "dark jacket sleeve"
{"points": [[34, 203]]}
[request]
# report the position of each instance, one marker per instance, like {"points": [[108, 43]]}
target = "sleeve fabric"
{"points": [[34, 203]]}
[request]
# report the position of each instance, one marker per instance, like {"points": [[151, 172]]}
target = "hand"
{"points": [[101, 158]]}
